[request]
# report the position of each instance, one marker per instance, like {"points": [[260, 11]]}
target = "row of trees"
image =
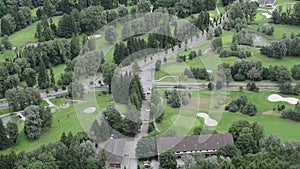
{"points": [[197, 73], [19, 19], [287, 88], [154, 41], [34, 65], [254, 71], [177, 98], [288, 16], [38, 118], [185, 8], [293, 114], [127, 89], [243, 105], [125, 126], [240, 15], [69, 152], [282, 48]]}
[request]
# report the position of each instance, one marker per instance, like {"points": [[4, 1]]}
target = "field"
{"points": [[273, 124], [66, 120], [58, 70], [26, 35]]}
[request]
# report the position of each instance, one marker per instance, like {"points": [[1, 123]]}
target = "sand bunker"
{"points": [[278, 98], [209, 71], [207, 120], [90, 110], [267, 15]]}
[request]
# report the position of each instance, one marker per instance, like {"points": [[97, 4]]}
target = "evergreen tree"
{"points": [[43, 79], [3, 136], [74, 47], [52, 78], [12, 132]]}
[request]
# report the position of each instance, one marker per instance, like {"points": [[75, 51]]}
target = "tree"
{"points": [[144, 6], [245, 142], [108, 73], [167, 160], [8, 25], [249, 109], [254, 73], [33, 122], [3, 136], [146, 148], [165, 60], [23, 17], [12, 132], [43, 78], [30, 77], [6, 43], [67, 26], [75, 47], [111, 35], [210, 86], [296, 72], [122, 10], [286, 88], [270, 142], [236, 128], [92, 19], [157, 65], [76, 90], [217, 44], [228, 151], [219, 85], [52, 78], [251, 86]]}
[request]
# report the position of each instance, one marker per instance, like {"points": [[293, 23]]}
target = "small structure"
{"points": [[114, 152], [202, 144]]}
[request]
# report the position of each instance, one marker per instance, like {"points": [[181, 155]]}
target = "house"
{"points": [[201, 144], [114, 153], [204, 144]]}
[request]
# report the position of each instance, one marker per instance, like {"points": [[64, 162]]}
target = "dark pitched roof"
{"points": [[193, 143], [114, 150]]}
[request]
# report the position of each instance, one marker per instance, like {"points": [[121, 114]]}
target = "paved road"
{"points": [[200, 84]]}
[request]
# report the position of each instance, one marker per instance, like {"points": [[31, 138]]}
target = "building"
{"points": [[114, 153], [204, 144]]}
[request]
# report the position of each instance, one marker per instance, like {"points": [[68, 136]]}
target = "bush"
{"points": [[251, 86], [239, 77], [232, 107], [219, 85], [55, 88]]}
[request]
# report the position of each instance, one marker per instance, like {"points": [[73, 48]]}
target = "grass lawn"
{"points": [[284, 1], [4, 111], [273, 124], [58, 70], [227, 37], [279, 30], [289, 62], [26, 35], [71, 119], [58, 101]]}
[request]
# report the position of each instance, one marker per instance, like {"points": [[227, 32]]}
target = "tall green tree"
{"points": [[3, 136], [30, 77], [75, 47], [167, 160], [33, 122], [12, 132], [8, 25]]}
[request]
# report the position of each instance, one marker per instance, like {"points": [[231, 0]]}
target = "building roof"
{"points": [[193, 143], [114, 150]]}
